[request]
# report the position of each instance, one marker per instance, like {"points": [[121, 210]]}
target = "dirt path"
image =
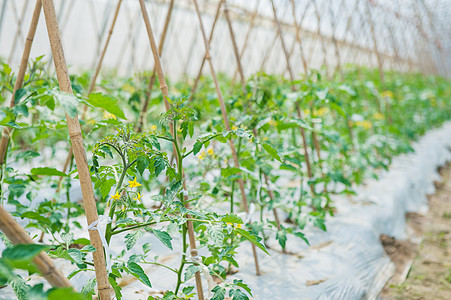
{"points": [[429, 276]]}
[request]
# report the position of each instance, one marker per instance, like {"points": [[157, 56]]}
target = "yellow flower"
{"points": [[123, 208], [134, 183], [233, 225], [365, 124], [128, 87], [211, 152], [107, 115], [202, 155], [234, 127], [153, 127], [272, 122], [378, 116], [116, 196], [91, 122], [138, 197], [321, 111], [307, 112], [388, 94]]}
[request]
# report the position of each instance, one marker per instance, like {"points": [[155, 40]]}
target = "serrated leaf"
{"points": [[232, 218], [76, 255], [142, 163], [138, 272], [108, 103], [238, 295], [271, 151], [47, 171], [219, 293], [251, 238], [216, 234], [132, 238], [69, 102], [281, 236], [164, 237], [191, 270]]}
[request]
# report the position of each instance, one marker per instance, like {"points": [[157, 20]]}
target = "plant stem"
{"points": [[108, 231]]}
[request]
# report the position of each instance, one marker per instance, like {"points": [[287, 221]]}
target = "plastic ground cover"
{"points": [[346, 262]]}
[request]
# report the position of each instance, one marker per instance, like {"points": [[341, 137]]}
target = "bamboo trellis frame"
{"points": [[340, 51]]}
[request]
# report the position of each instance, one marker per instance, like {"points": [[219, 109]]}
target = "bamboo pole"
{"points": [[235, 47], [2, 15], [79, 151], [17, 235], [148, 93], [226, 123], [20, 76], [102, 56], [101, 32], [19, 29], [298, 36], [334, 41], [246, 38], [243, 86], [323, 46], [376, 50], [293, 88], [210, 38], [164, 90]]}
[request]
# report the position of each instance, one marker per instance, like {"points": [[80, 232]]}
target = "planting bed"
{"points": [[293, 180]]}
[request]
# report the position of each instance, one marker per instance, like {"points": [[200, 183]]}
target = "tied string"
{"points": [[196, 259], [99, 225]]}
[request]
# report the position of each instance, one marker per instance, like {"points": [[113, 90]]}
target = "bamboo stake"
{"points": [[102, 56], [2, 15], [148, 94], [293, 88], [246, 38], [334, 41], [268, 52], [20, 76], [376, 51], [323, 46], [19, 29], [235, 47], [17, 235], [298, 36], [101, 32], [164, 90], [79, 151], [210, 38], [226, 123], [243, 86]]}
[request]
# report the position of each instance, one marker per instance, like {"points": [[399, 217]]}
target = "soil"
{"points": [[423, 263]]}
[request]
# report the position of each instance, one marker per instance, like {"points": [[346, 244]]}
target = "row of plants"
{"points": [[178, 170]]}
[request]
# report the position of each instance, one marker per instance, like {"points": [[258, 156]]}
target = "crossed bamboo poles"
{"points": [[73, 125]]}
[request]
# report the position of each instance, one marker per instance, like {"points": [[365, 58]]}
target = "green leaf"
{"points": [[132, 238], [142, 163], [164, 237], [226, 172], [232, 218], [27, 154], [197, 146], [252, 238], [271, 151], [216, 234], [76, 255], [21, 109], [191, 270], [35, 216], [107, 102], [320, 224], [302, 236], [219, 293], [281, 236], [238, 295], [65, 293], [240, 283], [138, 272], [47, 171], [21, 256], [117, 289], [6, 69], [69, 102]]}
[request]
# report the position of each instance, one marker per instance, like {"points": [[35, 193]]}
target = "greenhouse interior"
{"points": [[225, 149]]}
